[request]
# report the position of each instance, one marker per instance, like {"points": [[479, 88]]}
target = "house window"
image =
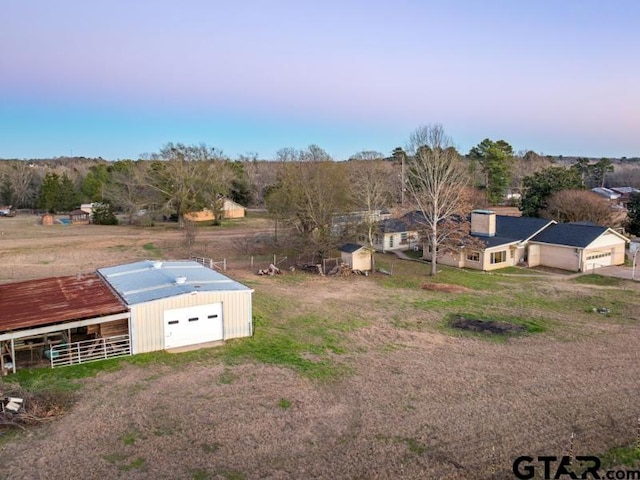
{"points": [[376, 239], [473, 256], [430, 249], [362, 238], [391, 241], [403, 237], [499, 257]]}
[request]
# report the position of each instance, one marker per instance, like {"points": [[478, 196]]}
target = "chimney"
{"points": [[483, 223]]}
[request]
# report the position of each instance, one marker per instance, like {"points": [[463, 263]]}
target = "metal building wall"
{"points": [[147, 319]]}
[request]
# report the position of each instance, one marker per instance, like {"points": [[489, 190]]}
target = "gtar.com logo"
{"points": [[563, 468]]}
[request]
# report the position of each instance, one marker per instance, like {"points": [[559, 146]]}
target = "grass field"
{"points": [[358, 377]]}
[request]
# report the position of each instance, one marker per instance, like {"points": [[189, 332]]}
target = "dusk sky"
{"points": [[120, 78]]}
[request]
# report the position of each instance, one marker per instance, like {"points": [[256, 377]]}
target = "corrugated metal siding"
{"points": [[147, 319]]}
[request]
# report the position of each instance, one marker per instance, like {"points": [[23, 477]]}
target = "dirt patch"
{"points": [[486, 326], [443, 287]]}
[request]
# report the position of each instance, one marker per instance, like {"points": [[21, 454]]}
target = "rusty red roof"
{"points": [[54, 300]]}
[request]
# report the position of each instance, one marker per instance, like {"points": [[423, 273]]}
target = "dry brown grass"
{"points": [[418, 403]]}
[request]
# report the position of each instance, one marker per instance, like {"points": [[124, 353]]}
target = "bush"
{"points": [[103, 215]]}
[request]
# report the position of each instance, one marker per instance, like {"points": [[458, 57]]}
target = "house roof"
{"points": [[78, 212], [605, 192], [570, 234], [511, 229], [408, 222], [350, 247], [54, 300], [148, 280]]}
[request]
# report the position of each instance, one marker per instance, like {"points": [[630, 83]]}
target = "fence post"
{"points": [[211, 263], [79, 359], [274, 258], [104, 347], [251, 262], [224, 264]]}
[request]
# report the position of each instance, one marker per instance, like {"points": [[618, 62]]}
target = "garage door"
{"points": [[597, 259], [192, 325]]}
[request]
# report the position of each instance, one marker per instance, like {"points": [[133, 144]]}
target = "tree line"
{"points": [[304, 189]]}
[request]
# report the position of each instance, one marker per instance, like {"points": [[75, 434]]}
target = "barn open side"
{"points": [[60, 321]]}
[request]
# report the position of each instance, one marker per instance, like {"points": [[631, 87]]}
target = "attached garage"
{"points": [[579, 247], [180, 303]]}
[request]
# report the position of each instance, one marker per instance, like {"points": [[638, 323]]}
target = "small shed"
{"points": [[180, 303], [232, 209], [47, 219], [79, 217], [229, 209], [357, 257]]}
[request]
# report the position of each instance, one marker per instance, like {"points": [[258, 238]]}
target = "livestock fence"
{"points": [[262, 262]]}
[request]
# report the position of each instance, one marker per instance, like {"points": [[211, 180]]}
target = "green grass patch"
{"points": [[284, 403], [152, 249], [231, 474], [626, 455], [130, 438], [210, 447], [308, 343], [595, 279], [115, 457], [134, 464], [517, 271], [62, 379], [200, 474]]}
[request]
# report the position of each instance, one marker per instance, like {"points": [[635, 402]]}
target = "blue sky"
{"points": [[120, 78]]}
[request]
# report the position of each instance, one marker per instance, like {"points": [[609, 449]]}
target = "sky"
{"points": [[120, 78]]}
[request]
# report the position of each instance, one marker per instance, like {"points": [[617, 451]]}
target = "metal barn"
{"points": [[180, 303], [60, 321]]}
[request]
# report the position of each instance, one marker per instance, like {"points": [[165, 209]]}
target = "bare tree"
{"points": [[371, 191], [436, 180], [308, 193], [19, 183], [582, 206], [128, 189]]}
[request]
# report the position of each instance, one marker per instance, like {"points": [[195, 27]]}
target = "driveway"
{"points": [[618, 271]]}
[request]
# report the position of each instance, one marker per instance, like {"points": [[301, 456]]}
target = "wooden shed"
{"points": [[357, 257], [180, 303], [79, 217]]}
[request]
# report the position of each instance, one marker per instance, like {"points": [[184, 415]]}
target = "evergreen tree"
{"points": [[68, 196], [633, 215], [48, 193], [103, 214], [539, 187], [496, 159]]}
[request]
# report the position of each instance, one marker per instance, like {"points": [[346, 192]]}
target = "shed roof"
{"points": [[571, 234], [54, 300], [350, 247], [78, 212], [148, 280]]}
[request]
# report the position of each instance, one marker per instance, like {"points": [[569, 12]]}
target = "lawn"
{"points": [[356, 377]]}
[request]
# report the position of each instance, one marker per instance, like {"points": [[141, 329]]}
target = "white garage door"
{"points": [[597, 259], [192, 325]]}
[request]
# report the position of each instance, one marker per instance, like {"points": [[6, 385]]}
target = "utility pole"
{"points": [[633, 248]]}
